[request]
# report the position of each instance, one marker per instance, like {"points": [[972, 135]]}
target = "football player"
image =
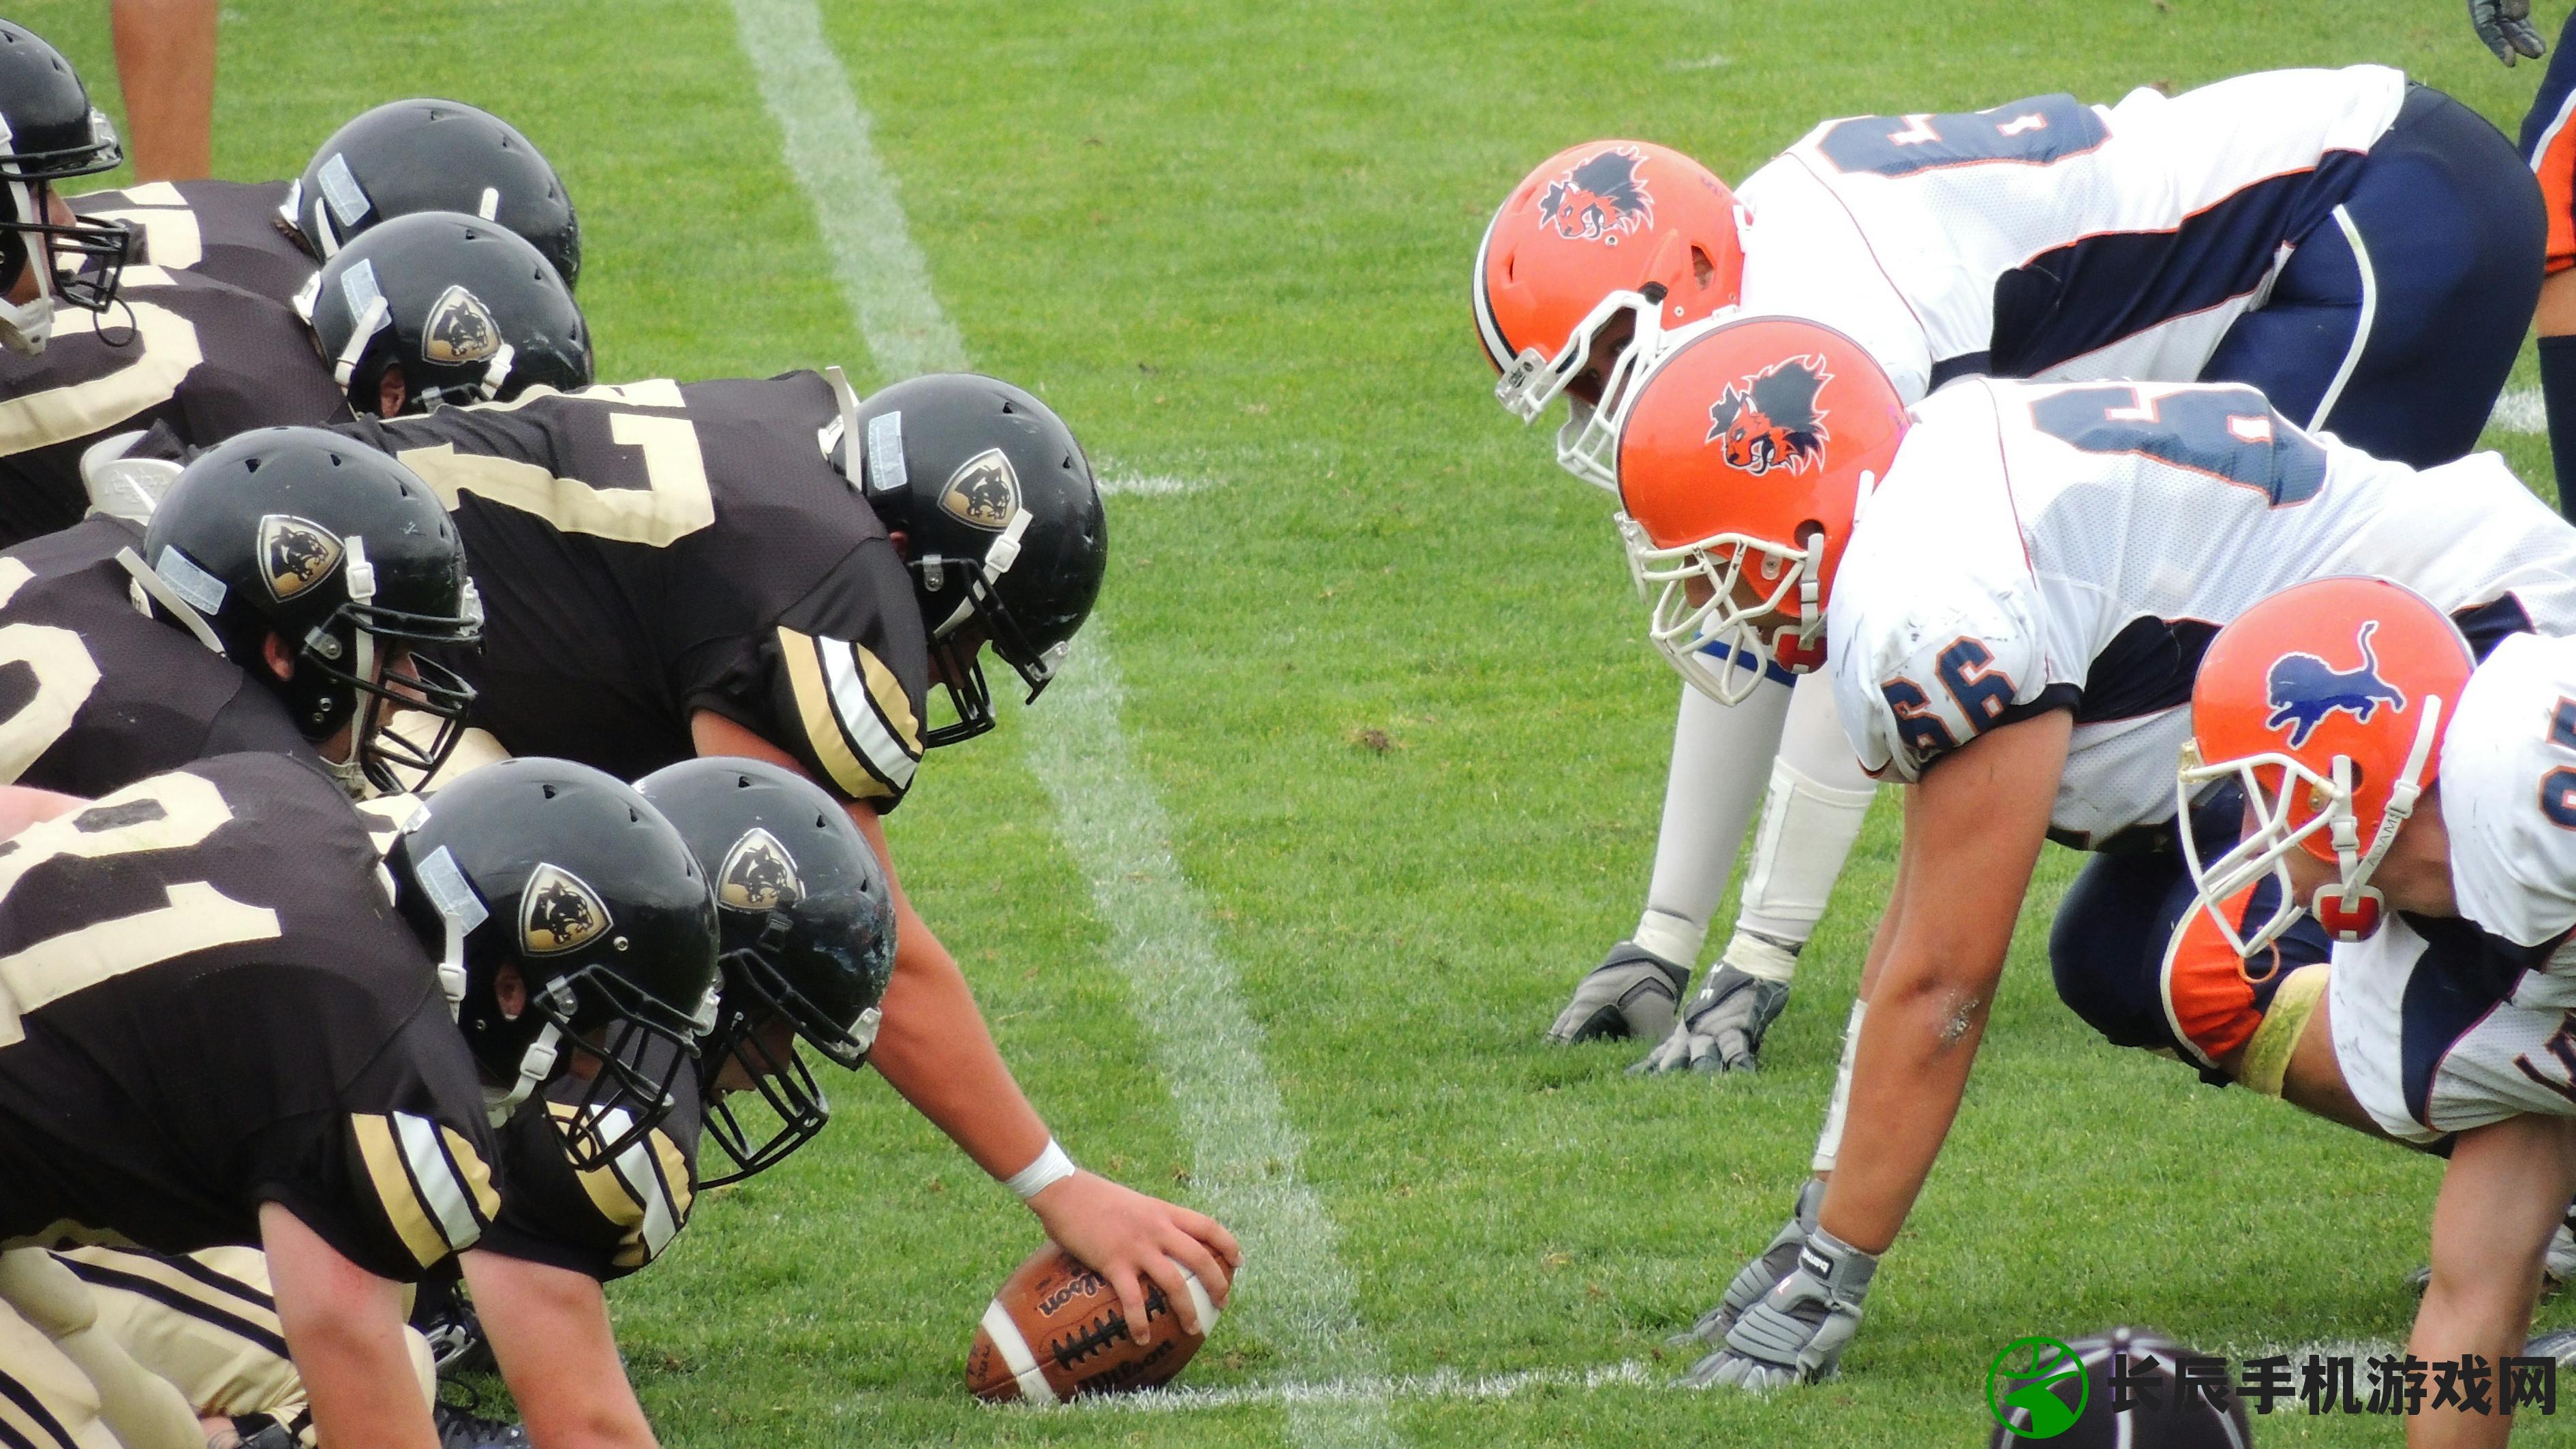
{"points": [[2361, 249], [272, 604], [2012, 586], [266, 237], [569, 1219], [431, 308], [49, 132], [210, 955], [2422, 805], [2550, 146], [771, 569]]}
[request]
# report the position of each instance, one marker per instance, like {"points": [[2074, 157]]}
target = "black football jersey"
{"points": [[232, 231], [613, 1219], [648, 550], [95, 694], [207, 359], [211, 1004]]}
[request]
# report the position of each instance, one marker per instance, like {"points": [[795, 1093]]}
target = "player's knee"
{"points": [[2103, 973]]}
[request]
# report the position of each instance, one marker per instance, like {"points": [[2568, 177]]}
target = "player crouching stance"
{"points": [[2013, 592], [2422, 806]]}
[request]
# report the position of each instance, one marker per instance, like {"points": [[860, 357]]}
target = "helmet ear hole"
{"points": [[1702, 269]]}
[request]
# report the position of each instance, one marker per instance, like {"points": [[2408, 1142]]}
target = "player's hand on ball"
{"points": [[1721, 1030], [1797, 1331], [1632, 993], [1128, 1237], [1756, 1278], [2505, 25]]}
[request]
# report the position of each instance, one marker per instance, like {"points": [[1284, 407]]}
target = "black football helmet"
{"points": [[1001, 521], [570, 877], [469, 312], [50, 131], [340, 552], [808, 925], [2176, 1416], [425, 155]]}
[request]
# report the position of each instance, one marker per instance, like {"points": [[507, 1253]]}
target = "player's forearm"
{"points": [[1916, 1047], [2503, 1193], [550, 1334], [344, 1330], [935, 1049]]}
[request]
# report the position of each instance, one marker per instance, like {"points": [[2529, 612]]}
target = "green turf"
{"points": [[1231, 242]]}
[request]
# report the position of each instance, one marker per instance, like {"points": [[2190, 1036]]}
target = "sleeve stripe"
{"points": [[442, 1185], [675, 1177], [625, 1193], [476, 1173], [886, 692], [821, 723], [394, 1190], [856, 701]]}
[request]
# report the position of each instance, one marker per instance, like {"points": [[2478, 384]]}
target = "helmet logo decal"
{"points": [[2304, 690], [983, 492], [460, 329], [1769, 419], [295, 554], [758, 875], [558, 911], [1602, 199]]}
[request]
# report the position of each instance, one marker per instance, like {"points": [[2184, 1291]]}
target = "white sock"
{"points": [[1819, 800], [1719, 757]]}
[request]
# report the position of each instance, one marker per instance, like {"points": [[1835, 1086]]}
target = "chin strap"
{"points": [[344, 368], [536, 1066], [2350, 909]]}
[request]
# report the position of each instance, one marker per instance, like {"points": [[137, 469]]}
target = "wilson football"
{"points": [[1055, 1330]]}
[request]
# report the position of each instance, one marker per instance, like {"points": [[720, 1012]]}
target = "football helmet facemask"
{"points": [[2327, 702], [49, 131], [427, 155], [574, 880], [468, 311], [342, 554], [1743, 458], [1607, 247], [807, 922], [1001, 522]]}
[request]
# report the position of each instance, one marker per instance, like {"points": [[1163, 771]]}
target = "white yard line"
{"points": [[1245, 1152], [1120, 484], [1447, 1384], [2520, 410]]}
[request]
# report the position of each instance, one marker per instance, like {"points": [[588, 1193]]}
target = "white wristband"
{"points": [[1050, 1168]]}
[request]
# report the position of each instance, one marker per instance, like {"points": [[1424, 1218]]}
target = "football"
{"points": [[1055, 1331]]}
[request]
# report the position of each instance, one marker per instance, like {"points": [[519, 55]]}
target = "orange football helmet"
{"points": [[2327, 702], [1598, 232], [1744, 452]]}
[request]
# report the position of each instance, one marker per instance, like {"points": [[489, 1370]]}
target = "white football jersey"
{"points": [[2440, 1027], [2055, 240], [2508, 783], [2038, 546]]}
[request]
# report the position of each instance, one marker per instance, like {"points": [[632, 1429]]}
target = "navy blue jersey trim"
{"points": [[2147, 668], [2489, 624], [2463, 975], [2092, 292]]}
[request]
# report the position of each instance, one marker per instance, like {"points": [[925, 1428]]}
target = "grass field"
{"points": [[1383, 674]]}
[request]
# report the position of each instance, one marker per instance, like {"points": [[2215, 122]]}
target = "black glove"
{"points": [[2505, 25]]}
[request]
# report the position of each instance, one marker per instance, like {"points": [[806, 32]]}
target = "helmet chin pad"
{"points": [[2348, 922]]}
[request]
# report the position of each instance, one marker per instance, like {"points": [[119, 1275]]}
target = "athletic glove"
{"points": [[1755, 1278], [2505, 25], [1633, 992], [1797, 1332], [1721, 1030]]}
